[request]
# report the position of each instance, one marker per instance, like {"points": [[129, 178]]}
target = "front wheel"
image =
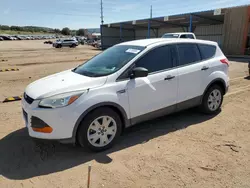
{"points": [[212, 100], [100, 129]]}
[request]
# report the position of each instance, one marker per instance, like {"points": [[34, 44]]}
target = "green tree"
{"points": [[57, 30], [4, 27], [80, 32], [66, 31], [15, 28]]}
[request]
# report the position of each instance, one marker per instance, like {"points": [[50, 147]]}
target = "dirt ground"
{"points": [[187, 149]]}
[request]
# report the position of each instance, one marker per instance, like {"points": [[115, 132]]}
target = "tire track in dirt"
{"points": [[54, 62]]}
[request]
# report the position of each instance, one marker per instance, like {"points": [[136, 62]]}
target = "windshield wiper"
{"points": [[73, 70]]}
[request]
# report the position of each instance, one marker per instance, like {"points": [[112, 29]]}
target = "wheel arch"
{"points": [[116, 107], [217, 81]]}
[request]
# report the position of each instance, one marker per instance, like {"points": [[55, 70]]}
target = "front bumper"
{"points": [[61, 120]]}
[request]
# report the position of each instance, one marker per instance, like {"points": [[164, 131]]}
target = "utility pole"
{"points": [[151, 15], [151, 12], [102, 13], [101, 22]]}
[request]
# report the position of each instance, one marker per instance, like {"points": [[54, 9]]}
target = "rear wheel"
{"points": [[73, 46], [212, 100], [59, 46], [100, 129]]}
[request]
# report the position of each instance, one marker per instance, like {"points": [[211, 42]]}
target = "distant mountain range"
{"points": [[93, 30]]}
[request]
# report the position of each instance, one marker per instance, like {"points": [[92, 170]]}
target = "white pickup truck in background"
{"points": [[179, 35]]}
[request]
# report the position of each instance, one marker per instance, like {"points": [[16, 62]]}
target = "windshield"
{"points": [[170, 36], [109, 61]]}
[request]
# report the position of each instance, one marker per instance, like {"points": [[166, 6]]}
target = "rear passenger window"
{"points": [[207, 51], [188, 53], [187, 36], [157, 59], [183, 37], [190, 36]]}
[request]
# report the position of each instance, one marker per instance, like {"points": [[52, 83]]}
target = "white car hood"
{"points": [[62, 82]]}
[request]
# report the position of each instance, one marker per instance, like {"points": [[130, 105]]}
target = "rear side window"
{"points": [[187, 36], [207, 51], [157, 59], [188, 53]]}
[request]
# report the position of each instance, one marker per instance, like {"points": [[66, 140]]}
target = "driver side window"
{"points": [[158, 59]]}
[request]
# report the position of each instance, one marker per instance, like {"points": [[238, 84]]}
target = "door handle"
{"points": [[204, 68], [169, 77]]}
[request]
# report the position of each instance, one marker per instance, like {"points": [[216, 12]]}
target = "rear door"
{"points": [[66, 42], [192, 72], [155, 94]]}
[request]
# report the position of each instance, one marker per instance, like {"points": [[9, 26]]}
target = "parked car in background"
{"points": [[65, 43], [13, 38], [18, 37], [5, 37], [184, 35], [48, 42], [98, 44], [126, 84], [1, 39]]}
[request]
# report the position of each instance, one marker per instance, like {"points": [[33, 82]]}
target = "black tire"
{"points": [[205, 104], [59, 46], [73, 46], [82, 132]]}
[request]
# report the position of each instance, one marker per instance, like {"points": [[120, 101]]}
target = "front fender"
{"points": [[95, 100]]}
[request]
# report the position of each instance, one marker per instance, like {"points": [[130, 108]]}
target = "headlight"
{"points": [[60, 100]]}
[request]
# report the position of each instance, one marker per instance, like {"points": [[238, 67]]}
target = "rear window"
{"points": [[187, 36], [188, 53], [207, 51], [170, 36]]}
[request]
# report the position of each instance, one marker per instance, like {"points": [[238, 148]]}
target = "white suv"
{"points": [[124, 85]]}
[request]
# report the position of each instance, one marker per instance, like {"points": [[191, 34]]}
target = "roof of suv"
{"points": [[157, 41]]}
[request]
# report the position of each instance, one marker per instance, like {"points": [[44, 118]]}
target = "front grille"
{"points": [[27, 98]]}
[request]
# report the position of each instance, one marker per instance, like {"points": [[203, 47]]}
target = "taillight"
{"points": [[225, 61]]}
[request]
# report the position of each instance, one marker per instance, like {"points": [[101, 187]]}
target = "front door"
{"points": [[155, 94]]}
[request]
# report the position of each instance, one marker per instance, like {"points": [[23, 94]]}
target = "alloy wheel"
{"points": [[102, 131]]}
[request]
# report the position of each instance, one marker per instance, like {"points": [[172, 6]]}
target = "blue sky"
{"points": [[86, 13]]}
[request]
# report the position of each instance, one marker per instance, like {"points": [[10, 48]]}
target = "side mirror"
{"points": [[139, 72]]}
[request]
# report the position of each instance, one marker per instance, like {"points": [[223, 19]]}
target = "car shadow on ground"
{"points": [[21, 158]]}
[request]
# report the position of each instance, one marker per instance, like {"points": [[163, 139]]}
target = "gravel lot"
{"points": [[187, 149]]}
